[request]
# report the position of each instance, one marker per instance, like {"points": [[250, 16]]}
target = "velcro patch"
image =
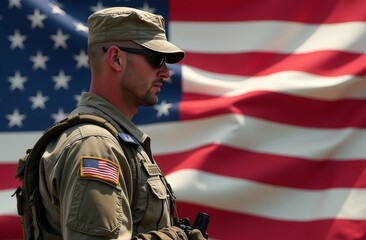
{"points": [[128, 138], [93, 167], [152, 169]]}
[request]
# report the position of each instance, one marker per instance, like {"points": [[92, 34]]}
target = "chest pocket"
{"points": [[157, 187], [153, 202], [152, 209]]}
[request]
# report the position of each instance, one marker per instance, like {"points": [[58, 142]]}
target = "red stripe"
{"points": [[10, 228], [7, 171], [269, 169], [101, 170], [229, 225], [325, 63], [293, 110], [327, 11], [98, 172]]}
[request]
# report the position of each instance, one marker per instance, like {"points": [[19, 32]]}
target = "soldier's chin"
{"points": [[150, 101]]}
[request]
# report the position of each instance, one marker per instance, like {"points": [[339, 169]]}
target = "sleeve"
{"points": [[93, 186], [170, 233]]}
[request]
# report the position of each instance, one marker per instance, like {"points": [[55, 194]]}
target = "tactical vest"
{"points": [[28, 196]]}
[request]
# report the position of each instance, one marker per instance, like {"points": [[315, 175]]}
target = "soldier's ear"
{"points": [[114, 58]]}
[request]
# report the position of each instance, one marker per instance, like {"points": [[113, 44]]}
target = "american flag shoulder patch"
{"points": [[98, 168]]}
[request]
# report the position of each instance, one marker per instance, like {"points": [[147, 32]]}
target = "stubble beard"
{"points": [[150, 99]]}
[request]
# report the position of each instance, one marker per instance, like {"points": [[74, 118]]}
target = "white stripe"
{"points": [[238, 131], [8, 204], [268, 36], [242, 196], [13, 145], [258, 135], [248, 197], [289, 82]]}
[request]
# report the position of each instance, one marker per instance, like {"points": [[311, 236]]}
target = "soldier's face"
{"points": [[142, 81]]}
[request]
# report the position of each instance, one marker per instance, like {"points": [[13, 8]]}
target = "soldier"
{"points": [[93, 185]]}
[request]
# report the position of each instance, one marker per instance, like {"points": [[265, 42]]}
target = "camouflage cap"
{"points": [[123, 23]]}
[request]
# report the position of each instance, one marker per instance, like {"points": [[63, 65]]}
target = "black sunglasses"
{"points": [[156, 59]]}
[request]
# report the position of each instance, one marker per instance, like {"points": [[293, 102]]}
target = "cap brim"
{"points": [[172, 52]]}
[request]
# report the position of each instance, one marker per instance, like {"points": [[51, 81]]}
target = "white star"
{"points": [[17, 81], [38, 101], [59, 115], [60, 39], [80, 27], [14, 3], [37, 19], [39, 61], [15, 119], [61, 80], [17, 40], [82, 60], [163, 109], [56, 9], [147, 8], [98, 7]]}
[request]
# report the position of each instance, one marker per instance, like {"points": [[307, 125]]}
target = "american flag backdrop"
{"points": [[262, 125]]}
